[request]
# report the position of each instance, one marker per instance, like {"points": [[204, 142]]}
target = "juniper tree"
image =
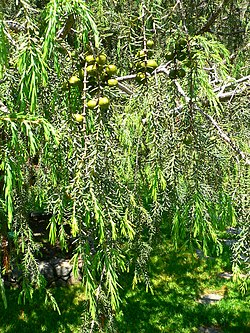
{"points": [[169, 152]]}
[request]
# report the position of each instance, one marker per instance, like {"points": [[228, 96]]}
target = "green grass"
{"points": [[37, 317], [178, 280]]}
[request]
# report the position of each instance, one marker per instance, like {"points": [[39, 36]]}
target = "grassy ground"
{"points": [[178, 280], [36, 317]]}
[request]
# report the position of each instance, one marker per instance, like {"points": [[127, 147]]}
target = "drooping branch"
{"points": [[97, 295]]}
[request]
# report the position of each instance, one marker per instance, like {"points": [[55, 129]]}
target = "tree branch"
{"points": [[233, 83], [231, 94], [160, 69], [222, 97], [221, 133], [125, 89], [224, 136], [163, 69], [126, 77], [212, 18], [62, 33]]}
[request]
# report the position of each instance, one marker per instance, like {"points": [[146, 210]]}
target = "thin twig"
{"points": [[231, 94], [125, 89], [224, 136]]}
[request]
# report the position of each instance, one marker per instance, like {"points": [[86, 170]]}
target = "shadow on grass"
{"points": [[38, 317], [178, 281]]}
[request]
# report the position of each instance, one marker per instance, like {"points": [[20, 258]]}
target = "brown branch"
{"points": [[212, 18], [62, 33]]}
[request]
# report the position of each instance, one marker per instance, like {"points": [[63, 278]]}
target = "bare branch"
{"points": [[160, 69], [221, 133], [125, 89], [233, 83], [231, 94], [126, 77], [224, 136]]}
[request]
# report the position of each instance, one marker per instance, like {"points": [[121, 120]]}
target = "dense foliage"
{"points": [[158, 149]]}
